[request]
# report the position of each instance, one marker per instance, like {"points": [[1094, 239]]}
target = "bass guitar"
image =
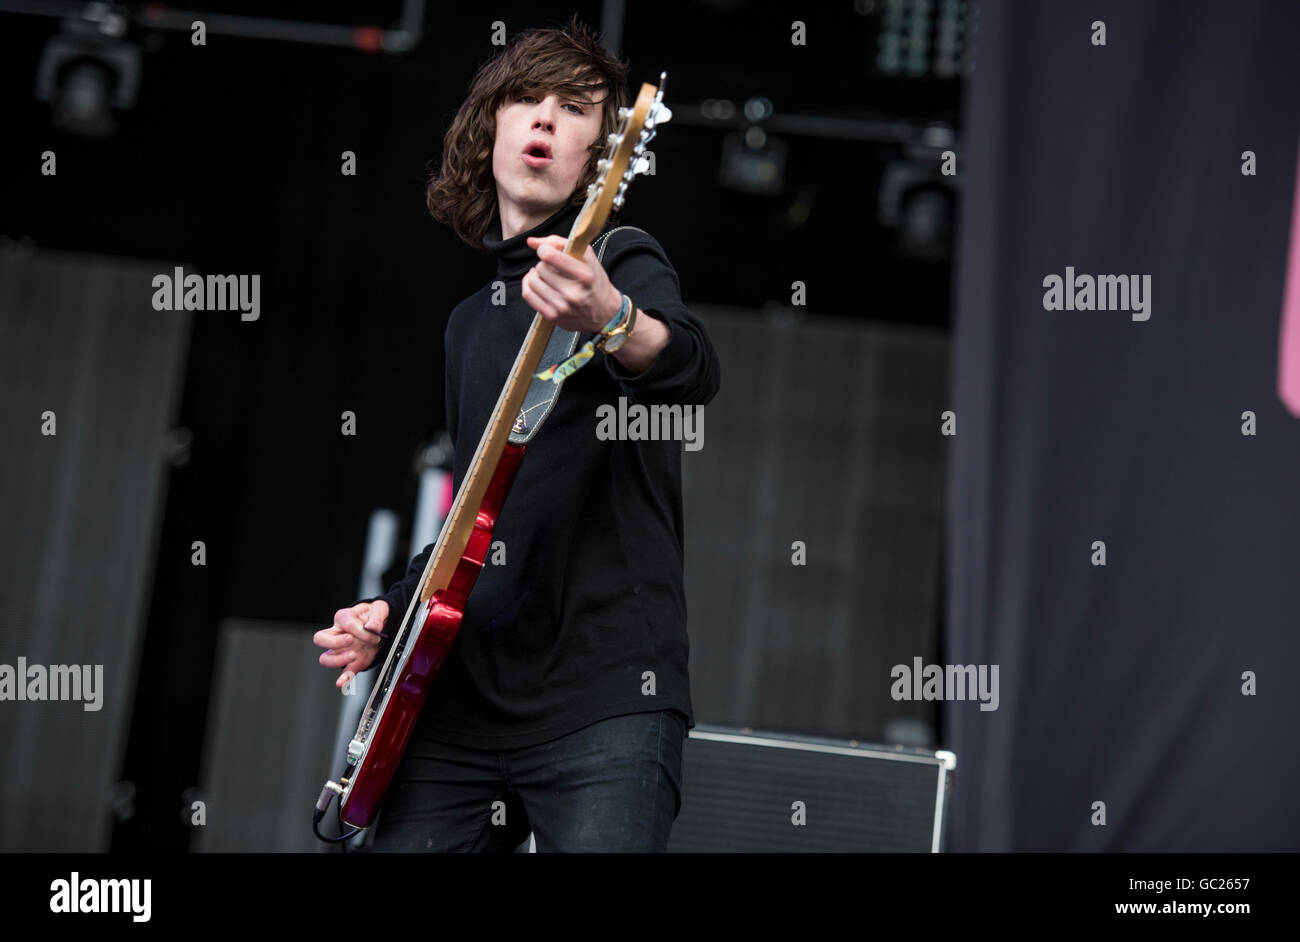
{"points": [[433, 618]]}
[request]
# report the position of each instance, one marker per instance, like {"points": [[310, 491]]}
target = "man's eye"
{"points": [[577, 109]]}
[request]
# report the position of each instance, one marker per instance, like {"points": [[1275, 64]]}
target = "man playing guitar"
{"points": [[564, 703]]}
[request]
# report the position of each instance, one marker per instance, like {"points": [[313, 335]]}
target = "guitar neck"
{"points": [[460, 521]]}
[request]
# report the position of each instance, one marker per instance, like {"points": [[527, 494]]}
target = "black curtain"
{"points": [[1123, 684]]}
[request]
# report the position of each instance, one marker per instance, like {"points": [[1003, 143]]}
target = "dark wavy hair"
{"points": [[568, 60]]}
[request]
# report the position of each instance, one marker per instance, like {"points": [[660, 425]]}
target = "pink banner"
{"points": [[1288, 372]]}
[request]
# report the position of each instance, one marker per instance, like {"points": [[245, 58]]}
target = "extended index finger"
{"points": [[331, 637]]}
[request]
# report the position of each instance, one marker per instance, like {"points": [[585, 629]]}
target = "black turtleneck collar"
{"points": [[514, 255]]}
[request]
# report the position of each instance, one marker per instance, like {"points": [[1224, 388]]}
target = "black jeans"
{"points": [[615, 785]]}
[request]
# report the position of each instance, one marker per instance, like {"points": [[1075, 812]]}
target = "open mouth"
{"points": [[537, 154]]}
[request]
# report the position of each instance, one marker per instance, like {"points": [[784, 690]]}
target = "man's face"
{"points": [[541, 150]]}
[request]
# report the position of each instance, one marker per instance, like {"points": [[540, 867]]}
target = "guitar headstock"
{"points": [[624, 158]]}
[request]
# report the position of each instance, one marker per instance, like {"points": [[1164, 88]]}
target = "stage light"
{"points": [[917, 200], [925, 229], [753, 163], [85, 76], [81, 103]]}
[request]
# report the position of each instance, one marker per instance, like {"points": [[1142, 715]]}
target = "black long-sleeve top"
{"points": [[586, 618]]}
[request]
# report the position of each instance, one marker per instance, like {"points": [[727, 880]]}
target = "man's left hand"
{"points": [[575, 294]]}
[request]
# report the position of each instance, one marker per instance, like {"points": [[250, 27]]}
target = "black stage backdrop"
{"points": [[1123, 684]]}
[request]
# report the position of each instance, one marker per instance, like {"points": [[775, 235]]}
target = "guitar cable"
{"points": [[322, 805]]}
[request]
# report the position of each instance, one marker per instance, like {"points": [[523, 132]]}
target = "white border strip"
{"points": [[939, 758]]}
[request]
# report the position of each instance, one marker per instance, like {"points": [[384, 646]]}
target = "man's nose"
{"points": [[545, 116]]}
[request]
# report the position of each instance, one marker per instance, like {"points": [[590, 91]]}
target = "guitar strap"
{"points": [[542, 393]]}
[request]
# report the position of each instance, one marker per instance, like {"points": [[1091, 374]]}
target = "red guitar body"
{"points": [[442, 617]]}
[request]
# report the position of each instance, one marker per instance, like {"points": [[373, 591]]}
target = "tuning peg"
{"points": [[658, 115]]}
